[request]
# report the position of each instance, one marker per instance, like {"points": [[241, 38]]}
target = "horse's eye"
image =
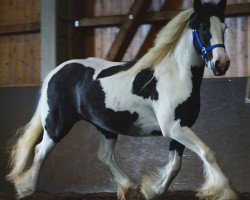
{"points": [[203, 27]]}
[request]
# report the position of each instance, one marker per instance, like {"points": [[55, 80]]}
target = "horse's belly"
{"points": [[132, 123], [147, 125]]}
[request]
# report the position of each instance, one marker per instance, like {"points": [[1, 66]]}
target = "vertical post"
{"points": [[63, 24], [54, 34], [48, 36]]}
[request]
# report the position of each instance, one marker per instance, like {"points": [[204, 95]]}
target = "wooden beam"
{"points": [[128, 30], [20, 28], [238, 10], [107, 21], [116, 20]]}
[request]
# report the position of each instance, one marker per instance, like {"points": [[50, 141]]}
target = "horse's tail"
{"points": [[22, 151]]}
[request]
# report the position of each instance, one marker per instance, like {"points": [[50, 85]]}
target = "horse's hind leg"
{"points": [[26, 182], [127, 189], [156, 182], [55, 127]]}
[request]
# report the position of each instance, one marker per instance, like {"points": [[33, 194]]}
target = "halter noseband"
{"points": [[205, 50]]}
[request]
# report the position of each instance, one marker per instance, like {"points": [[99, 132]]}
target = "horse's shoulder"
{"points": [[144, 84]]}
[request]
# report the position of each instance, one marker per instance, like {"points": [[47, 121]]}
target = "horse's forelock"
{"points": [[208, 10]]}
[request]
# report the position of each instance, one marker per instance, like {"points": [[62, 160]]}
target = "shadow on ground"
{"points": [[180, 195]]}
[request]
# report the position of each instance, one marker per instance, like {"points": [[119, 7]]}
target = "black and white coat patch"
{"points": [[89, 91], [107, 95]]}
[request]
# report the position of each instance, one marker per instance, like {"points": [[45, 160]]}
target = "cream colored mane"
{"points": [[165, 41]]}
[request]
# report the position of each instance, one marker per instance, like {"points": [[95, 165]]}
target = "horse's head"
{"points": [[208, 26]]}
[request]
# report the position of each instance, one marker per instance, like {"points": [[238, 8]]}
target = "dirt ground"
{"points": [[180, 195]]}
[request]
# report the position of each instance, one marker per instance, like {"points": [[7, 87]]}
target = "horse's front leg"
{"points": [[127, 189], [156, 182], [216, 186]]}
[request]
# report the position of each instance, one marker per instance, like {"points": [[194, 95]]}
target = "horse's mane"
{"points": [[165, 41]]}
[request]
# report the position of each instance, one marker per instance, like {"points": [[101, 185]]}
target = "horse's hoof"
{"points": [[149, 180], [141, 196], [211, 193], [25, 184], [128, 193]]}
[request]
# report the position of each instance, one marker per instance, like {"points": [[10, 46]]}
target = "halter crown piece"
{"points": [[205, 50]]}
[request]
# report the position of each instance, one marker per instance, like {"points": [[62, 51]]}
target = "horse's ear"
{"points": [[222, 5], [197, 5]]}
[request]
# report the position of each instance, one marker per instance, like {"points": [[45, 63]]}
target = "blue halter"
{"points": [[205, 50]]}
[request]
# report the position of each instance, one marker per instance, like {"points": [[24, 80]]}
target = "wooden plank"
{"points": [[238, 10], [116, 20], [33, 27], [19, 11], [20, 59], [102, 21], [127, 30], [19, 42]]}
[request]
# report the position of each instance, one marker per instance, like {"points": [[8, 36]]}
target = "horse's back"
{"points": [[71, 74], [97, 64]]}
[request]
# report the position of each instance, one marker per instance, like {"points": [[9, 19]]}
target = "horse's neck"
{"points": [[185, 54], [188, 61], [184, 57], [182, 67]]}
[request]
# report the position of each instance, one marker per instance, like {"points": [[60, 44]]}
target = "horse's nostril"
{"points": [[222, 65], [217, 65]]}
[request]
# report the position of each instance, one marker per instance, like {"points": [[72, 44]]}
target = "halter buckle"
{"points": [[204, 51]]}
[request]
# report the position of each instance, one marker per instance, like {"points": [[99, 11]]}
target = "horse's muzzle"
{"points": [[220, 67]]}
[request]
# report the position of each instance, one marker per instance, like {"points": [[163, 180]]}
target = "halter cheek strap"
{"points": [[205, 50]]}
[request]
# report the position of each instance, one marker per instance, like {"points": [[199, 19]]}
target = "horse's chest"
{"points": [[180, 97], [188, 111]]}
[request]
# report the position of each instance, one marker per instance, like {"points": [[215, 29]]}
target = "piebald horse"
{"points": [[156, 95]]}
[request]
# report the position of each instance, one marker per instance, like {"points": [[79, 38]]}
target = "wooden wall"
{"points": [[237, 36], [19, 51]]}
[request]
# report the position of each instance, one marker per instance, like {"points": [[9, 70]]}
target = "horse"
{"points": [[158, 94]]}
